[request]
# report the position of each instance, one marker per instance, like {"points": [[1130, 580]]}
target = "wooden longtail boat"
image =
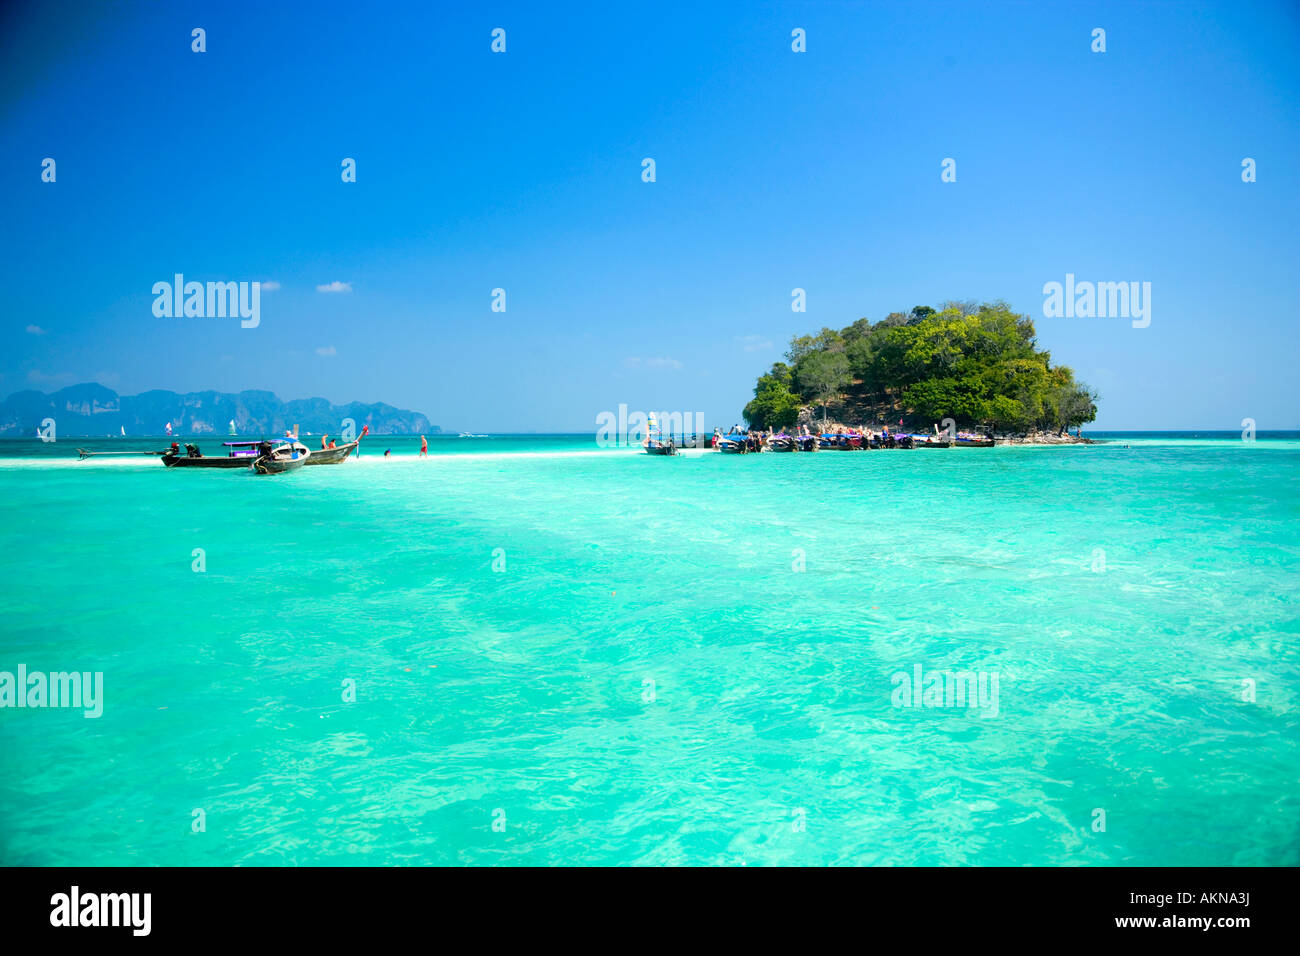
{"points": [[733, 444], [241, 455], [656, 447], [841, 441], [332, 456], [277, 459]]}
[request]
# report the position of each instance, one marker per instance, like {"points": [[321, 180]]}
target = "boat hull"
{"points": [[332, 456], [184, 461], [278, 466]]}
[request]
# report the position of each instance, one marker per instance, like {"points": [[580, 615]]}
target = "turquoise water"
{"points": [[1121, 595]]}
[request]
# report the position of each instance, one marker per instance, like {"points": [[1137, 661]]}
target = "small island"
{"points": [[976, 363]]}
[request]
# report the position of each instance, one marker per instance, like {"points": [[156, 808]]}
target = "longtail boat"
{"points": [[332, 456], [275, 459], [241, 455], [840, 441]]}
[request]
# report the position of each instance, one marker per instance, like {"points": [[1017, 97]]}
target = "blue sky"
{"points": [[522, 171]]}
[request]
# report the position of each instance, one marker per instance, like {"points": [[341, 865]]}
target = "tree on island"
{"points": [[823, 376], [975, 363], [774, 405]]}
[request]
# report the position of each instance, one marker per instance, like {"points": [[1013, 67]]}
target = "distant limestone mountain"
{"points": [[93, 409]]}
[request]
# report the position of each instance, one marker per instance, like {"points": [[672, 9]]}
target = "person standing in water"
{"points": [[424, 447]]}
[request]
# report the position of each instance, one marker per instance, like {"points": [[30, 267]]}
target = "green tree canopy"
{"points": [[774, 405], [977, 363]]}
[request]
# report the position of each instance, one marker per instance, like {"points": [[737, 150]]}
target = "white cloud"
{"points": [[754, 343], [35, 330], [271, 286], [656, 363], [326, 350], [335, 286]]}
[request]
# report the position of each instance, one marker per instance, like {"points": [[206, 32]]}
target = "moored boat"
{"points": [[277, 458], [733, 444], [783, 442], [841, 441], [241, 455], [332, 456], [655, 443]]}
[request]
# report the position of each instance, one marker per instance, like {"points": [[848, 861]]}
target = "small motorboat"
{"points": [[733, 444], [275, 459], [240, 455], [973, 440], [783, 442], [332, 456]]}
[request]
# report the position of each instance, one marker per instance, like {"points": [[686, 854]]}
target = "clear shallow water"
{"points": [[522, 690]]}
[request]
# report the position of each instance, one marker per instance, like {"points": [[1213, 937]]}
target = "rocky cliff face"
{"points": [[93, 409]]}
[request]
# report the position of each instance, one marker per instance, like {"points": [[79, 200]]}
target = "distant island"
{"points": [[93, 409], [978, 364]]}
